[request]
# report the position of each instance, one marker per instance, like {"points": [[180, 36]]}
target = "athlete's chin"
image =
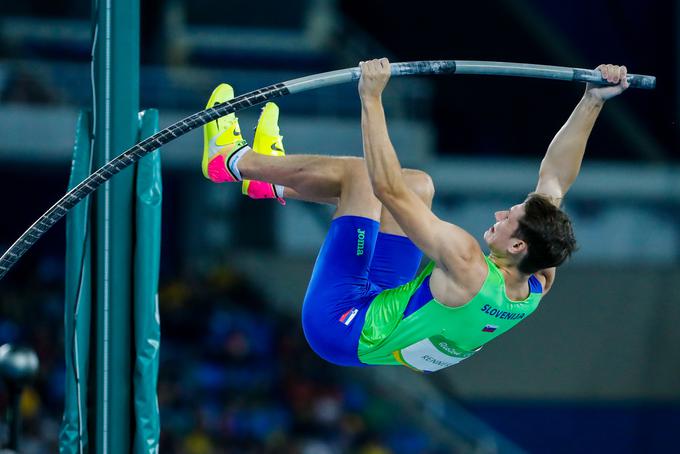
{"points": [[487, 240], [487, 236]]}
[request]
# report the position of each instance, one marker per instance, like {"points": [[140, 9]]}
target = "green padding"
{"points": [[147, 328], [78, 303]]}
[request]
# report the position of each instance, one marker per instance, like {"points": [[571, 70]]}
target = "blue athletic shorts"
{"points": [[355, 263]]}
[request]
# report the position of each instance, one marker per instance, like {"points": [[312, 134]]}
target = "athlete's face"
{"points": [[500, 237]]}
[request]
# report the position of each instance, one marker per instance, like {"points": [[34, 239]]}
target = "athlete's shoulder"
{"points": [[465, 258], [465, 275]]}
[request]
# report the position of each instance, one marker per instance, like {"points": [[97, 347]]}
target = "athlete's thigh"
{"points": [[342, 267], [340, 291]]}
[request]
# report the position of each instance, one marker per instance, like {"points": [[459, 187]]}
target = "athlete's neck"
{"points": [[515, 280]]}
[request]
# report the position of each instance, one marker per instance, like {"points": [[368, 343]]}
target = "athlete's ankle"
{"points": [[244, 165], [235, 162]]}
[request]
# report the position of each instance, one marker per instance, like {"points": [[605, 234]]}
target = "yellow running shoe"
{"points": [[221, 141], [269, 142]]}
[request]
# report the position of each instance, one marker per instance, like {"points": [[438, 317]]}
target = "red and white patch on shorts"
{"points": [[348, 316]]}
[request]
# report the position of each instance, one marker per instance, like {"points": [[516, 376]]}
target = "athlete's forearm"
{"points": [[562, 161], [383, 165]]}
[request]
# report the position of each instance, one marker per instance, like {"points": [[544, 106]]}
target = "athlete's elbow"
{"points": [[385, 191], [380, 188]]}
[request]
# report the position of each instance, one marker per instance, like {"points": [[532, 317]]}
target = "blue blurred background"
{"points": [[596, 369]]}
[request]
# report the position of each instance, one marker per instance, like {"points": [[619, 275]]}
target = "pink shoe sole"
{"points": [[217, 171], [262, 190]]}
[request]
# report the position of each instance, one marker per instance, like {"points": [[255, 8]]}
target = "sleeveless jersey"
{"points": [[406, 325]]}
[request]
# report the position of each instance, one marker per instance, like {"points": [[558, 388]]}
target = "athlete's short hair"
{"points": [[548, 232]]}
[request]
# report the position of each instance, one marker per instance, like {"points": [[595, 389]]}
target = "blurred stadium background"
{"points": [[596, 369]]}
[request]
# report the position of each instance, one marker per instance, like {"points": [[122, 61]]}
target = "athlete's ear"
{"points": [[517, 246]]}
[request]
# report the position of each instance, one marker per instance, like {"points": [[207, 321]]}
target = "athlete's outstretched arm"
{"points": [[562, 162], [448, 245]]}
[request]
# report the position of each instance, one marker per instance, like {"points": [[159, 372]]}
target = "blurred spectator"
{"points": [[235, 377]]}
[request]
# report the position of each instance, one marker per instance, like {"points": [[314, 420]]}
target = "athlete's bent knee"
{"points": [[355, 172], [421, 183]]}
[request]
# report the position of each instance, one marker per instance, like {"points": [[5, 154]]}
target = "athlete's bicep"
{"points": [[441, 241]]}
